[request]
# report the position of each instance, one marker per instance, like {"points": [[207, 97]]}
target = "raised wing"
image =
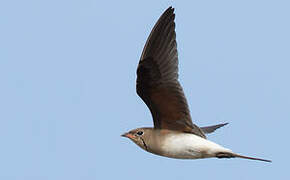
{"points": [[157, 79]]}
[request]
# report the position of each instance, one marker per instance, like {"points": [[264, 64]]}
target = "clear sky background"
{"points": [[67, 87]]}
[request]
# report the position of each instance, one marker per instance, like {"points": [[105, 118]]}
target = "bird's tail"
{"points": [[252, 158], [233, 155]]}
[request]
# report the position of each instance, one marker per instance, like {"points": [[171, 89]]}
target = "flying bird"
{"points": [[174, 135]]}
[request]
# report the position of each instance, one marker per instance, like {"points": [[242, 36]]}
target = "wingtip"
{"points": [[210, 129], [170, 9], [222, 125]]}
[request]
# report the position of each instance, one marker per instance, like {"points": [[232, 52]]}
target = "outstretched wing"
{"points": [[157, 79]]}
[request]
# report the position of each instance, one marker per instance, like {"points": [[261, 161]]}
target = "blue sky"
{"points": [[68, 71]]}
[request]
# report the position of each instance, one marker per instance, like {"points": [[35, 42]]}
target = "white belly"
{"points": [[190, 146]]}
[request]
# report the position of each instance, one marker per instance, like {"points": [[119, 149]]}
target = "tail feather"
{"points": [[233, 155], [210, 129], [252, 158]]}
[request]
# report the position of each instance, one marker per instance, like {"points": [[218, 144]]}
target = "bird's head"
{"points": [[139, 136]]}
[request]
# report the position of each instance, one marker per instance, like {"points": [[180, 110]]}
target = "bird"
{"points": [[174, 135]]}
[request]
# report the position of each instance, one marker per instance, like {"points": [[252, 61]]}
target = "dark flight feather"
{"points": [[157, 79]]}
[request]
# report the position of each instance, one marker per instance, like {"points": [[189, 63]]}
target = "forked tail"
{"points": [[233, 155]]}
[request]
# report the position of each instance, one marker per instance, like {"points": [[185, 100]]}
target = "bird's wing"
{"points": [[157, 79], [210, 129]]}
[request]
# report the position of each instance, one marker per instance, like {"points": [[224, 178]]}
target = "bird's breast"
{"points": [[189, 146]]}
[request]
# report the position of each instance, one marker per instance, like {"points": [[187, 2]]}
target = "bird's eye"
{"points": [[140, 133]]}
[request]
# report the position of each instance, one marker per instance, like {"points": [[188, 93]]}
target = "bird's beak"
{"points": [[124, 135], [127, 135]]}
